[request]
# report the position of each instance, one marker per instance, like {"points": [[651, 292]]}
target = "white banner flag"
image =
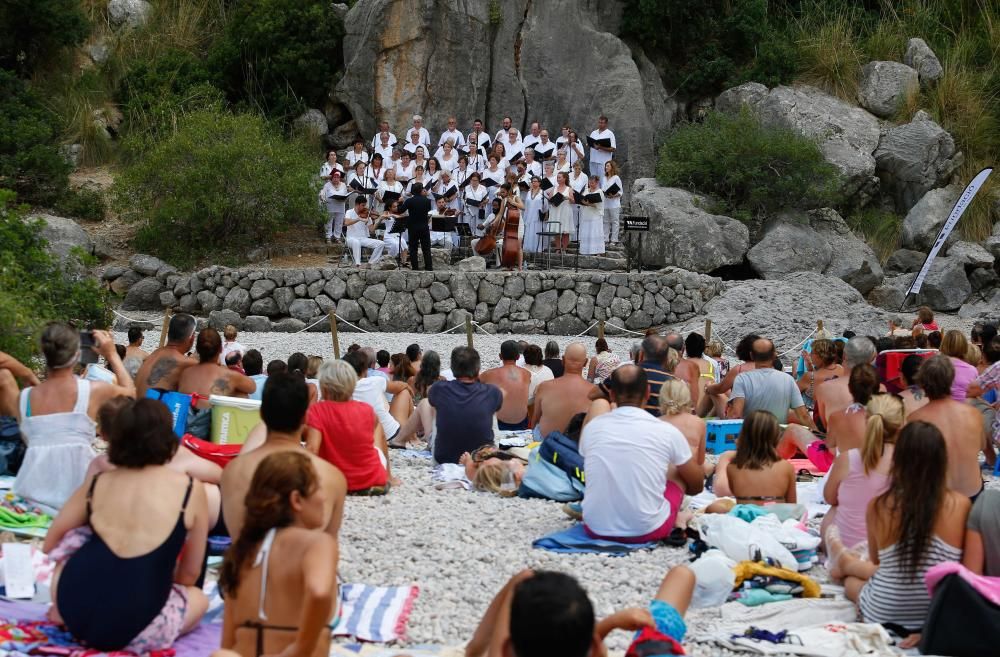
{"points": [[956, 213]]}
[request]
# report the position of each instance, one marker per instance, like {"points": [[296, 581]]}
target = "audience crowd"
{"points": [[897, 423]]}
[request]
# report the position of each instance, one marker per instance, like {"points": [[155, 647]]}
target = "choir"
{"points": [[568, 187]]}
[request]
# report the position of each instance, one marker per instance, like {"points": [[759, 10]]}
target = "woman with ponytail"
{"points": [[279, 577], [916, 524], [860, 475]]}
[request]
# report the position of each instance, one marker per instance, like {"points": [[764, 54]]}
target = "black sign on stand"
{"points": [[635, 226]]}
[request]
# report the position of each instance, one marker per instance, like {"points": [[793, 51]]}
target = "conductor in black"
{"points": [[416, 210]]}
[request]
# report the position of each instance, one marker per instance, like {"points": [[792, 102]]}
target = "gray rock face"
{"points": [[788, 246], [129, 13], [852, 260], [349, 309], [288, 325], [313, 122], [144, 295], [122, 283], [266, 306], [847, 135], [683, 234], [992, 245], [786, 309], [257, 324], [946, 286], [890, 294], [508, 67], [238, 300], [982, 307], [885, 86], [971, 254], [904, 261], [472, 263], [749, 93], [914, 158], [64, 235], [112, 272], [919, 56], [219, 319], [208, 301], [146, 264], [262, 288], [545, 305], [303, 310], [924, 221], [398, 313]]}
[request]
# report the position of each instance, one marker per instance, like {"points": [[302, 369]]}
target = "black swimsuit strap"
{"points": [[90, 493], [260, 627], [187, 495]]}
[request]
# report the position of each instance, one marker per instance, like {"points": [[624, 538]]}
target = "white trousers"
{"points": [[611, 224], [355, 244], [393, 243], [334, 224]]}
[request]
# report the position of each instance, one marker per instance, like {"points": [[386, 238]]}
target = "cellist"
{"points": [[494, 224]]}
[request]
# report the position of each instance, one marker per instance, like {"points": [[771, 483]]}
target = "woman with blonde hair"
{"points": [[676, 409], [955, 346], [821, 366], [860, 475], [612, 187], [312, 366], [280, 575]]}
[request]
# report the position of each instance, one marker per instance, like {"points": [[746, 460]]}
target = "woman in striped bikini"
{"points": [[916, 524]]}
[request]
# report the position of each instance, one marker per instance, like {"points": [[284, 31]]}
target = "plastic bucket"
{"points": [[233, 418]]}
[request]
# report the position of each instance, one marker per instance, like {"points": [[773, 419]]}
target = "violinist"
{"points": [[359, 225], [394, 243], [439, 238]]}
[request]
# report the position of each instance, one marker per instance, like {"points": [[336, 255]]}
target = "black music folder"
{"points": [[593, 198], [388, 197], [443, 224], [543, 155], [523, 184], [489, 182], [360, 188], [614, 189], [546, 184], [557, 200], [448, 192], [473, 202], [338, 197], [598, 142], [515, 157]]}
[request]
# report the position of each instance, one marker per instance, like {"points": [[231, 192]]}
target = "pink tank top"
{"points": [[856, 491]]}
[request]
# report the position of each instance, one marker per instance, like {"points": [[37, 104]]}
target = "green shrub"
{"points": [[33, 30], [880, 228], [221, 183], [35, 288], [752, 170], [30, 162], [279, 56], [82, 203]]}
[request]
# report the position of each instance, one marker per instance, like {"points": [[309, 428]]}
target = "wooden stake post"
{"points": [[468, 331], [333, 334], [165, 327], [600, 328], [708, 330]]}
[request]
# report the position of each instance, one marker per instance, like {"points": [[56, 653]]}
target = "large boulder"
{"points": [[401, 57], [986, 306], [64, 235], [311, 122], [146, 265], [682, 233], [786, 310], [399, 313], [904, 261], [925, 219], [885, 86], [919, 56], [847, 135], [144, 295], [914, 158], [971, 255], [946, 287], [818, 241], [130, 13], [304, 310]]}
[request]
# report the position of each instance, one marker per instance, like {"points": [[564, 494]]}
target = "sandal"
{"points": [[804, 476], [678, 538]]}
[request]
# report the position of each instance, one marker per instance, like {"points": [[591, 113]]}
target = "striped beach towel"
{"points": [[375, 613]]}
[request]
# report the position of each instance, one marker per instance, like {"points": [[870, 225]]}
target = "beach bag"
{"points": [[221, 455], [564, 453], [960, 622], [543, 480], [177, 403], [12, 448]]}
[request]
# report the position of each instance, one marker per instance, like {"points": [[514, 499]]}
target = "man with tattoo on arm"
{"points": [[162, 369], [209, 378]]}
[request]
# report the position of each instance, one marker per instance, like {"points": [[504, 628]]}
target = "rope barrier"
{"points": [[806, 339], [607, 324], [321, 319], [586, 330], [480, 327], [151, 321], [339, 318], [462, 325]]}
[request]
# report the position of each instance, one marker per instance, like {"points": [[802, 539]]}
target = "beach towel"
{"points": [[790, 615], [23, 626], [450, 475], [377, 614], [576, 540]]}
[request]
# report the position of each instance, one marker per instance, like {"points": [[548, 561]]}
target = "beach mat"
{"points": [[376, 614], [17, 617], [576, 541]]}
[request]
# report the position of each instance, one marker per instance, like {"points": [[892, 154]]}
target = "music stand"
{"points": [[464, 230], [398, 227]]}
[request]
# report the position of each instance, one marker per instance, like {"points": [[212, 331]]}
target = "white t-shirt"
{"points": [[371, 390], [628, 452], [616, 202], [598, 156], [412, 148], [457, 136], [544, 150], [425, 137], [332, 204], [377, 139], [404, 173], [357, 230], [228, 348], [327, 168], [502, 136], [353, 158], [385, 152], [531, 140]]}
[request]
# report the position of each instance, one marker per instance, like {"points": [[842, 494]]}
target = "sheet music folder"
{"points": [[443, 224], [598, 142]]}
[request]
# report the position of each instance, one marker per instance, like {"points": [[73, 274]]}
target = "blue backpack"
{"points": [[564, 453]]}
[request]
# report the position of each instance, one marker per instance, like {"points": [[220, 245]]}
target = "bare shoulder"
{"points": [[331, 474]]}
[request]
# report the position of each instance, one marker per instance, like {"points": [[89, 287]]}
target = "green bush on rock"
{"points": [[222, 183], [35, 287], [753, 170]]}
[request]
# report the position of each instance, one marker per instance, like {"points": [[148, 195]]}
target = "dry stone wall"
{"points": [[558, 303]]}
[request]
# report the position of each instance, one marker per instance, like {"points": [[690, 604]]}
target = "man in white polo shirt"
{"points": [[627, 453], [601, 153]]}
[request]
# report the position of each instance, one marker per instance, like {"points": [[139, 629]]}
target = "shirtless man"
{"points": [[209, 378], [514, 381], [162, 369], [833, 395], [694, 348], [558, 400], [961, 424], [12, 371], [283, 410], [134, 353]]}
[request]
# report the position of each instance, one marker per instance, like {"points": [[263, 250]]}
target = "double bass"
{"points": [[506, 227]]}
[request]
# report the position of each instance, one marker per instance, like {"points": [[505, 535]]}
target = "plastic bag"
{"points": [[714, 579], [741, 541]]}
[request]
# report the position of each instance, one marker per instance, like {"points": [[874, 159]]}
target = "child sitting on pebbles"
{"points": [[548, 614]]}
